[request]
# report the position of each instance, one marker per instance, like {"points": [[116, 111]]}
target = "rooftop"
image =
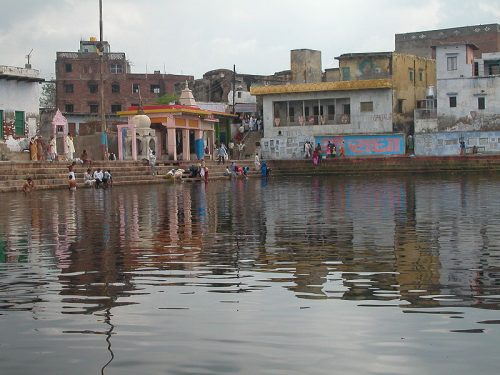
{"points": [[322, 86]]}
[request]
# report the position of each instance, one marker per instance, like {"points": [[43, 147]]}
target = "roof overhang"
{"points": [[365, 84], [10, 77]]}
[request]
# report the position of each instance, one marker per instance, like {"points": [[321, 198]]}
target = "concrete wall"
{"points": [[306, 66], [464, 55], [447, 143], [19, 95]]}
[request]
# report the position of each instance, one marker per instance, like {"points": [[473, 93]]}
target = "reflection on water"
{"points": [[249, 276]]}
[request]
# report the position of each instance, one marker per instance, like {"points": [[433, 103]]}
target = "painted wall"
{"points": [[366, 145], [19, 96], [448, 143], [290, 145]]}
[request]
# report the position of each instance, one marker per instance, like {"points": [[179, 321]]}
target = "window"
{"points": [[116, 107], [452, 62], [69, 108], [291, 114], [68, 88], [115, 88], [366, 107], [411, 74], [155, 89], [481, 103], [19, 123], [93, 108], [68, 68], [306, 112], [400, 105], [421, 75], [239, 94], [347, 109], [476, 69], [135, 88], [346, 74], [453, 101], [93, 88], [116, 68]]}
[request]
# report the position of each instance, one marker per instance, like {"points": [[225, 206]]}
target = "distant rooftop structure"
{"points": [[20, 74], [485, 37]]}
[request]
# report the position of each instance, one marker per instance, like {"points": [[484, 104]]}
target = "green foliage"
{"points": [[167, 99], [48, 95]]}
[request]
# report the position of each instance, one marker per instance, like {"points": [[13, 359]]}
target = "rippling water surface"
{"points": [[351, 275]]}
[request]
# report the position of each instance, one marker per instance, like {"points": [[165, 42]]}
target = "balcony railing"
{"points": [[424, 114], [342, 119]]}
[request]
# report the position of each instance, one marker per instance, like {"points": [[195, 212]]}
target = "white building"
{"points": [[355, 113], [468, 90], [19, 101], [468, 103]]}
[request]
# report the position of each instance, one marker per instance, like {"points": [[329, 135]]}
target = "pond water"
{"points": [[311, 275]]}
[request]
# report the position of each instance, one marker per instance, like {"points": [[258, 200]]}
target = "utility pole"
{"points": [[100, 49], [234, 87]]}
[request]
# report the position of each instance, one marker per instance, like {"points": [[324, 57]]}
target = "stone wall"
{"points": [[448, 143]]}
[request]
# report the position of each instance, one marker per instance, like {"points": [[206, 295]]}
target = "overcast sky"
{"points": [[195, 36]]}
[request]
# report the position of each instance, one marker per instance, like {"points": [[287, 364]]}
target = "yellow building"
{"points": [[410, 75]]}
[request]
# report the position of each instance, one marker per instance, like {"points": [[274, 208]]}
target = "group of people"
{"points": [[99, 178], [42, 151], [200, 170], [236, 170], [331, 151]]}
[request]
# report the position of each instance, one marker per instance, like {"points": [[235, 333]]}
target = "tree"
{"points": [[48, 95], [167, 99]]}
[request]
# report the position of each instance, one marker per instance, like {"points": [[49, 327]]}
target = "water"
{"points": [[351, 275]]}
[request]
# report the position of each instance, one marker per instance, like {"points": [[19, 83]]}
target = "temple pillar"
{"points": [[171, 149]]}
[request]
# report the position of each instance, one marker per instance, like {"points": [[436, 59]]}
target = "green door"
{"points": [[19, 123], [1, 124]]}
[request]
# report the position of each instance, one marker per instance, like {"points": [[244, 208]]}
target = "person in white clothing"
{"points": [[87, 178], [98, 176], [70, 146], [257, 162]]}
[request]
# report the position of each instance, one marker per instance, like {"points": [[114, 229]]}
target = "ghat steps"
{"points": [[53, 175]]}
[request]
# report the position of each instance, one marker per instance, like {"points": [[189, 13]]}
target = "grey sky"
{"points": [[193, 37]]}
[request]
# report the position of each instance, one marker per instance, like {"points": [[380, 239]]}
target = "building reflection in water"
{"points": [[405, 239]]}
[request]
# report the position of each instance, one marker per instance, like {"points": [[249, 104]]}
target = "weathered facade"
{"points": [[485, 37], [468, 103], [296, 113], [410, 76], [19, 101], [305, 65], [78, 81]]}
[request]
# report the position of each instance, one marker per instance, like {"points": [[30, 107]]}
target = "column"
{"points": [[171, 149], [185, 145]]}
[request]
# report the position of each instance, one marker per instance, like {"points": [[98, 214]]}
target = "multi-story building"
{"points": [[468, 103], [19, 101], [79, 76], [375, 96]]}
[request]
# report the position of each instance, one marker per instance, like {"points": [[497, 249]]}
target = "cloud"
{"points": [[257, 36]]}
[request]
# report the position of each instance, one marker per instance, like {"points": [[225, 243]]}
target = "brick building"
{"points": [[78, 80], [485, 37]]}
